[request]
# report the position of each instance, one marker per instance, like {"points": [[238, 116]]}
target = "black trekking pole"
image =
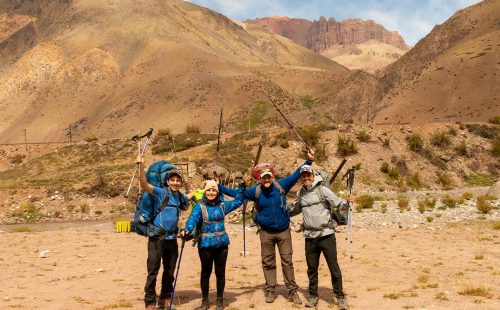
{"points": [[138, 138], [177, 273], [244, 208], [220, 127], [350, 182], [286, 120]]}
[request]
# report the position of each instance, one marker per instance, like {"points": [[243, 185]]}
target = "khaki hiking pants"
{"points": [[268, 242]]}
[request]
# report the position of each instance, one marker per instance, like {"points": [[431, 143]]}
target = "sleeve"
{"points": [[194, 218], [234, 204], [333, 199], [248, 194], [288, 182], [158, 193]]}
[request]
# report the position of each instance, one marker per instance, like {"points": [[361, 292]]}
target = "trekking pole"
{"points": [[350, 183], [138, 138], [286, 120], [177, 273], [244, 208]]}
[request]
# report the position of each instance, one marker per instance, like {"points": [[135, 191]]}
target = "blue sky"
{"points": [[413, 19]]}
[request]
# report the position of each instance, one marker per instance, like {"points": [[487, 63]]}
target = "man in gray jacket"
{"points": [[314, 200]]}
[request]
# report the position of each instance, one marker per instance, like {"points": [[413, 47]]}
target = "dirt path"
{"points": [[95, 268]]}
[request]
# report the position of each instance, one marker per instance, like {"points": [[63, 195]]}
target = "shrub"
{"points": [[495, 120], [403, 203], [484, 131], [307, 101], [386, 142], [383, 207], [90, 139], [444, 179], [310, 134], [430, 203], [164, 132], [414, 181], [495, 148], [415, 142], [429, 219], [480, 290], [467, 195], [393, 172], [284, 144], [363, 136], [17, 159], [320, 153], [461, 148], [84, 208], [483, 205], [441, 139], [193, 129], [364, 202], [345, 146], [384, 167], [449, 201], [421, 206]]}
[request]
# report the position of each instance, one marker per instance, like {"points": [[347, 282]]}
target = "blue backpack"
{"points": [[156, 175]]}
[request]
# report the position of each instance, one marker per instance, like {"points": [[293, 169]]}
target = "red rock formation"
{"points": [[320, 35]]}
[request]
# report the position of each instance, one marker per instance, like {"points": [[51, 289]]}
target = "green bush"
{"points": [[444, 180], [284, 144], [461, 148], [479, 180], [483, 205], [386, 142], [345, 146], [383, 208], [413, 180], [467, 195], [363, 136], [449, 201], [484, 131], [384, 167], [495, 120], [310, 134], [403, 203], [364, 202], [415, 142], [393, 172], [164, 132], [193, 129], [90, 139], [430, 203], [441, 139], [307, 101], [422, 207]]}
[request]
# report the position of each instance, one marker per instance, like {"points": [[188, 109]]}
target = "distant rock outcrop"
{"points": [[320, 35]]}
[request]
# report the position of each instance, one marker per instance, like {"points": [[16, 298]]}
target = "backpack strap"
{"points": [[163, 206], [204, 213]]}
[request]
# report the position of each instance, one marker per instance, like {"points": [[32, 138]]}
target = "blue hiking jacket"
{"points": [[216, 221], [272, 213], [163, 218]]}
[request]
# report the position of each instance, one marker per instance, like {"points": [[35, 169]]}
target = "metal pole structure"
{"points": [[25, 140], [220, 127], [137, 138]]}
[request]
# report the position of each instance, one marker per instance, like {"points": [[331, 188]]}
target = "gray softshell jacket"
{"points": [[317, 219]]}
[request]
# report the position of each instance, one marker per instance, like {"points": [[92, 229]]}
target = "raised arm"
{"points": [[231, 205], [288, 182], [142, 175], [249, 193]]}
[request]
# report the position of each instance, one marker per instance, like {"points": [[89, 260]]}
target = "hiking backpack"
{"points": [[196, 235], [339, 214], [156, 175]]}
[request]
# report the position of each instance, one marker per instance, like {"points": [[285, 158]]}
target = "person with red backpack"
{"points": [[207, 218], [273, 218], [162, 244]]}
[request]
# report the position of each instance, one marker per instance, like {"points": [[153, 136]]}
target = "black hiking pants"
{"points": [[328, 246], [213, 257], [158, 250]]}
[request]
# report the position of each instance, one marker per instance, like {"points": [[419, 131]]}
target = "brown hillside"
{"points": [[109, 68], [451, 74]]}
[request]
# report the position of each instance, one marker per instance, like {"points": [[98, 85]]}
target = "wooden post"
{"points": [[25, 140]]}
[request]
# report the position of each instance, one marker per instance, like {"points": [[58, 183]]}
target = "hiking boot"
{"points": [[270, 297], [164, 303], [294, 297], [219, 304], [204, 305], [342, 303], [151, 307], [312, 302]]}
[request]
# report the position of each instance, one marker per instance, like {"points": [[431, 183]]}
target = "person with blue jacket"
{"points": [[208, 218], [273, 219], [167, 203]]}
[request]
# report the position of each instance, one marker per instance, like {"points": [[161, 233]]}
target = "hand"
{"points": [[310, 154], [139, 160], [351, 198], [247, 179], [182, 233]]}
